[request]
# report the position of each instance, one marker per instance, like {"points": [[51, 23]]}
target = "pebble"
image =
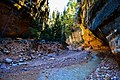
{"points": [[21, 60], [24, 69], [52, 58], [14, 64], [5, 50], [97, 75], [42, 58], [39, 55], [32, 56], [8, 60], [50, 55], [106, 67], [20, 56], [21, 53], [115, 77], [22, 63], [24, 58], [52, 66], [33, 51], [48, 67]]}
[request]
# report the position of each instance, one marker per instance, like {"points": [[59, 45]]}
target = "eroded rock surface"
{"points": [[101, 17], [17, 17]]}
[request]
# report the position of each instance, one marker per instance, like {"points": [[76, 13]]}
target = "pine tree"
{"points": [[68, 17]]}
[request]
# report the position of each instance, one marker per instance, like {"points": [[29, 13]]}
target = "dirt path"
{"points": [[68, 59], [69, 65]]}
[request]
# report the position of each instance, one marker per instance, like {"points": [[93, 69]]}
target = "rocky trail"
{"points": [[71, 65], [60, 64], [34, 41]]}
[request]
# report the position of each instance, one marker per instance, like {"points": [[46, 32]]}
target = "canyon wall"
{"points": [[17, 16], [100, 24], [90, 40], [104, 22]]}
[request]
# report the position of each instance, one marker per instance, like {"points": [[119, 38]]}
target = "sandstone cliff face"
{"points": [[90, 40]]}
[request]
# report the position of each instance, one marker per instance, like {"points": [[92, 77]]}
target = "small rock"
{"points": [[39, 55], [52, 58], [14, 64], [115, 77], [5, 50], [24, 69], [22, 63], [48, 67], [21, 53], [19, 56], [33, 51], [8, 60], [98, 75], [52, 66], [42, 58], [103, 75], [21, 60], [24, 58], [85, 57], [106, 68], [33, 57], [51, 55]]}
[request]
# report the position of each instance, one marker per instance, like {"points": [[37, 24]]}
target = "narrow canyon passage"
{"points": [[70, 65], [59, 39]]}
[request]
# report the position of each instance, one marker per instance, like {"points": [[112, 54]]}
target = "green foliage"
{"points": [[59, 27], [54, 31], [35, 29], [53, 15], [46, 33], [33, 32], [56, 27], [68, 17]]}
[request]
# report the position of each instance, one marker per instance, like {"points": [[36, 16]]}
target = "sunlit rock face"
{"points": [[104, 22], [90, 40], [101, 18]]}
